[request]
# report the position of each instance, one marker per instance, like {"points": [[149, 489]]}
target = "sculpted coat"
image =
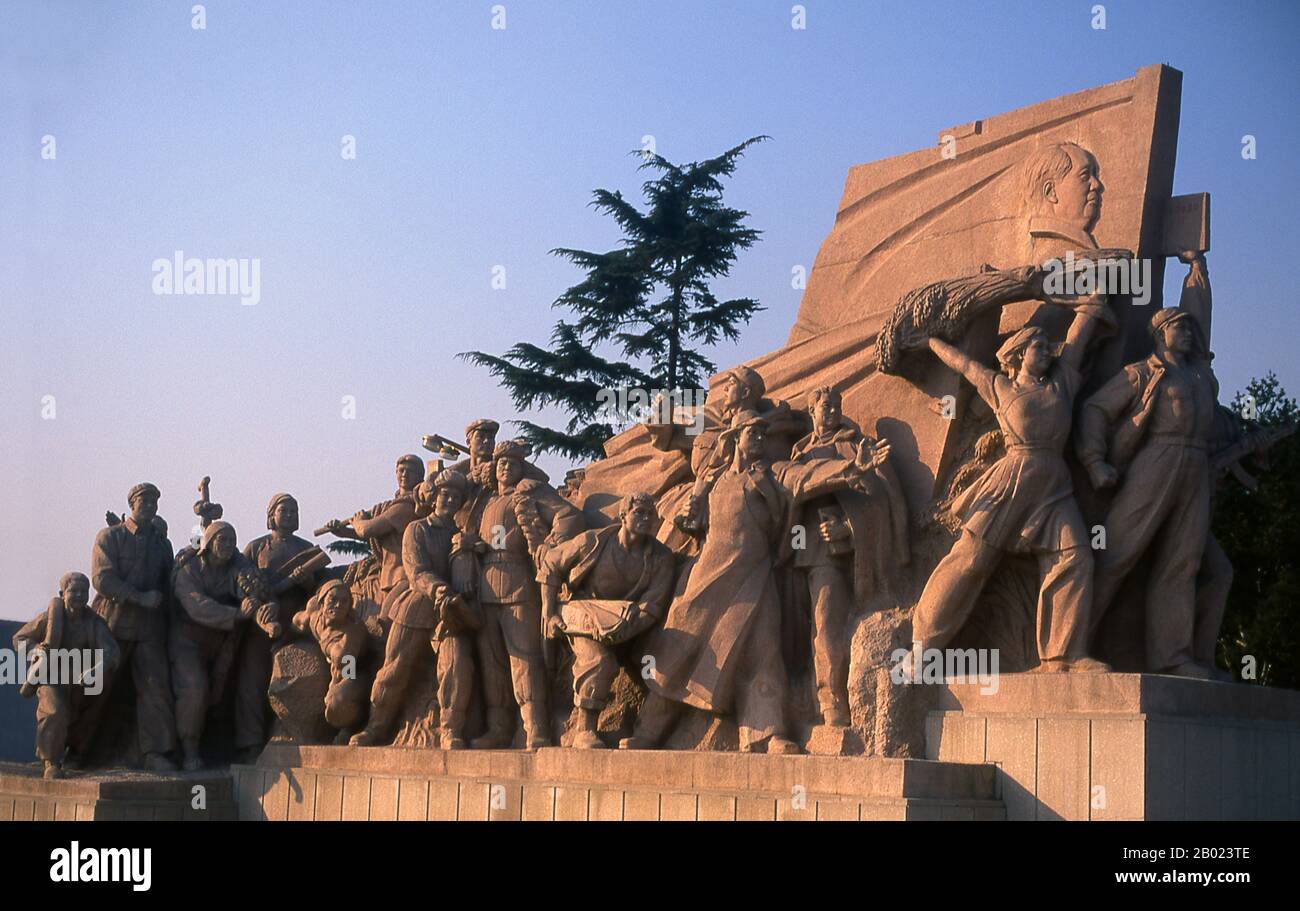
{"points": [[719, 647]]}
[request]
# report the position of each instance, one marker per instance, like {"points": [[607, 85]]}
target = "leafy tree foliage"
{"points": [[649, 299], [1260, 531]]}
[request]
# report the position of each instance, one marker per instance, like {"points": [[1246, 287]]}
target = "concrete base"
{"points": [[25, 795], [1127, 746], [303, 783]]}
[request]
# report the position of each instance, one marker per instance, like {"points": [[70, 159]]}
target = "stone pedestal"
{"points": [[303, 783], [25, 795], [1126, 746]]}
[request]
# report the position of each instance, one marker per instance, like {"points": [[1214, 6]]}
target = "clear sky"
{"points": [[475, 148]]}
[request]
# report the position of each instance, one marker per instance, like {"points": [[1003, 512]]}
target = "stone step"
{"points": [[25, 795], [292, 782], [852, 776]]}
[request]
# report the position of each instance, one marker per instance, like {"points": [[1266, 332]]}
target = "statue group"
{"points": [[763, 532]]}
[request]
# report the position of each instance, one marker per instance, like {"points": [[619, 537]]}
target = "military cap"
{"points": [[487, 425], [141, 489]]}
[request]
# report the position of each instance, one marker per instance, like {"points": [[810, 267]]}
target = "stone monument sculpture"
{"points": [[899, 473], [292, 568], [217, 590], [719, 647], [1155, 421], [130, 569], [383, 526], [68, 623], [508, 528], [618, 580], [434, 620], [1025, 501], [330, 619], [854, 541]]}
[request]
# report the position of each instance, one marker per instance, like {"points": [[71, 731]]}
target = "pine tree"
{"points": [[649, 299]]}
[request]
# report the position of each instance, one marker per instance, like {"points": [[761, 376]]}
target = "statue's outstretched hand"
{"points": [[870, 456]]}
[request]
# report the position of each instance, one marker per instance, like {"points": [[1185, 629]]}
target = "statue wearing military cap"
{"points": [[509, 523], [1150, 430], [433, 619], [130, 569]]}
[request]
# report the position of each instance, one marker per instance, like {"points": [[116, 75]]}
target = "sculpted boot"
{"points": [[157, 762], [652, 723], [366, 738], [498, 734], [584, 730], [53, 770], [193, 761], [537, 726], [451, 733]]}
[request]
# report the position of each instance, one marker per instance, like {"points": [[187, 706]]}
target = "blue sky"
{"points": [[476, 148]]}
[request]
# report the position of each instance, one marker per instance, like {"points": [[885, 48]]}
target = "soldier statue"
{"points": [[130, 569]]}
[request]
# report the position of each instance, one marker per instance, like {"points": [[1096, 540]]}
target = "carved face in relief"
{"points": [[76, 594], [410, 472], [1036, 359], [448, 502], [222, 547], [638, 516], [285, 516], [1178, 337], [1078, 193], [144, 506], [336, 606], [751, 441], [734, 394], [1064, 183], [510, 471], [826, 414], [481, 443]]}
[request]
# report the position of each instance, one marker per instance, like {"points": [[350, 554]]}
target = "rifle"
{"points": [[1260, 440], [328, 528], [443, 446]]}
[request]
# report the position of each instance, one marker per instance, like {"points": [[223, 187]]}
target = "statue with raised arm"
{"points": [[1150, 430], [382, 526], [1024, 503]]}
